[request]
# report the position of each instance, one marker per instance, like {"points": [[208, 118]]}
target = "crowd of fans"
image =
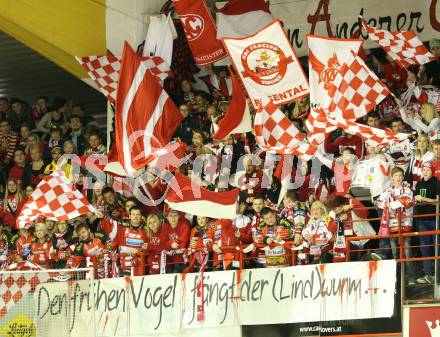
{"points": [[270, 222]]}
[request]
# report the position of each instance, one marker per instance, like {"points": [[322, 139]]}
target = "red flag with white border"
{"points": [[200, 31], [186, 196], [145, 118]]}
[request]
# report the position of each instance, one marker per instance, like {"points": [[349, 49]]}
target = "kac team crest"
{"points": [[193, 25], [264, 63]]}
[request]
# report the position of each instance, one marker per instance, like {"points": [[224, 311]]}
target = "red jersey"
{"points": [[180, 234], [340, 143], [222, 233], [22, 245], [252, 183], [16, 173], [129, 240], [41, 253]]}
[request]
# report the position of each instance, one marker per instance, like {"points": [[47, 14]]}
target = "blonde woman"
{"points": [[422, 154], [97, 198], [11, 203], [428, 124], [156, 242], [41, 247], [319, 234]]}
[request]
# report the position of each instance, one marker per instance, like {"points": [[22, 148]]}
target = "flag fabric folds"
{"points": [[188, 197], [268, 66], [237, 118], [145, 118], [104, 71], [54, 198], [326, 57], [240, 18], [275, 133], [403, 47]]}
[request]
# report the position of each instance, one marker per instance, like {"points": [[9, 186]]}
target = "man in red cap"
{"points": [[426, 191]]}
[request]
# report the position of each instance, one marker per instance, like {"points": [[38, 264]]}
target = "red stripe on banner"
{"points": [[186, 187], [238, 7]]}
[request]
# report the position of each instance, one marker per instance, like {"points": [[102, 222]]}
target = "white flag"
{"points": [[326, 56], [268, 65]]}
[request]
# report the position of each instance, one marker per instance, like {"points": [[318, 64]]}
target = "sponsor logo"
{"points": [[20, 326], [265, 63], [193, 25]]}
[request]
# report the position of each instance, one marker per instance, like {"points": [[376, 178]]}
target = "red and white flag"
{"points": [[355, 90], [275, 133], [186, 196], [54, 198], [200, 31], [403, 47], [326, 57], [104, 71], [238, 18], [372, 136], [238, 117], [268, 66], [146, 117]]}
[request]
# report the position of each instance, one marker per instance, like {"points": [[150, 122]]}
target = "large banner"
{"points": [[344, 291], [268, 65], [339, 18]]}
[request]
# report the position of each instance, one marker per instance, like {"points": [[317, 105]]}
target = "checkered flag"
{"points": [[275, 133], [403, 47], [104, 71], [15, 286], [54, 198], [356, 90]]}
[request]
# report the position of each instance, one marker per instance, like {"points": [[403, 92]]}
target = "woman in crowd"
{"points": [[11, 203], [422, 153], [34, 169], [429, 123]]}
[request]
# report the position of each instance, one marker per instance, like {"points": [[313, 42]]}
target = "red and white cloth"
{"points": [[238, 117], [104, 71], [268, 66], [186, 196], [15, 286], [356, 90], [403, 47], [55, 199], [145, 118], [238, 18], [200, 31], [275, 133], [326, 57]]}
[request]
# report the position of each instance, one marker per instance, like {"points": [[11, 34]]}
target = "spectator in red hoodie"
{"points": [[11, 203], [176, 231]]}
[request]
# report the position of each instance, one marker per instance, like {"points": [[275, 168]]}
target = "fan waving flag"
{"points": [[200, 31], [186, 196], [275, 133], [104, 71], [237, 118], [238, 18], [403, 47], [145, 118], [54, 198], [268, 66]]}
